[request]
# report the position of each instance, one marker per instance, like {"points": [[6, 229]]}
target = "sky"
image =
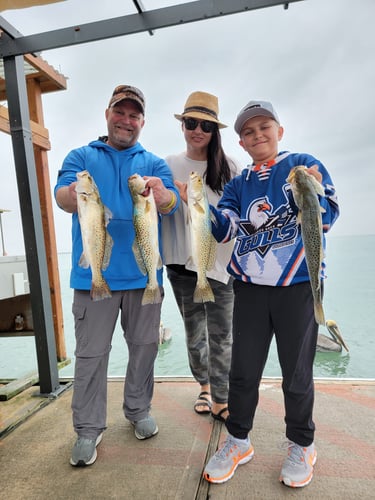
{"points": [[313, 61]]}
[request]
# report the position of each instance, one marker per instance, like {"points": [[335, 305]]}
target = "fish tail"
{"points": [[319, 313], [203, 293], [100, 290], [151, 295]]}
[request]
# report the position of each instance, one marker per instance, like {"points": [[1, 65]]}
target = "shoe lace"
{"points": [[296, 455], [227, 448]]}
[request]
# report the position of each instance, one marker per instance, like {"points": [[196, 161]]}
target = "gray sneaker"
{"points": [[145, 428], [231, 454], [298, 467], [84, 451]]}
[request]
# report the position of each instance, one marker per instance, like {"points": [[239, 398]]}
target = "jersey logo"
{"points": [[265, 228]]}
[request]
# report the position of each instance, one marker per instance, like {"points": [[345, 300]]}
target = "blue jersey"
{"points": [[111, 169], [257, 208]]}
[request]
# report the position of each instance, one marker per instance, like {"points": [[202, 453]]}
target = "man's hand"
{"points": [[66, 198], [165, 199]]}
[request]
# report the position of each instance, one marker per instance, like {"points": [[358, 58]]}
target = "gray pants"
{"points": [[94, 326], [208, 329]]}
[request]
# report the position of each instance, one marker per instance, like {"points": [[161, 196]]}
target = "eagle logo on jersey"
{"points": [[266, 227]]}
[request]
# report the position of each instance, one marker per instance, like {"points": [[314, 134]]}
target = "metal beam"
{"points": [[19, 122], [135, 23]]}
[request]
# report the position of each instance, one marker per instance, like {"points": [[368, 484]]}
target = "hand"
{"points": [[162, 195], [72, 192], [182, 188], [314, 171], [66, 198]]}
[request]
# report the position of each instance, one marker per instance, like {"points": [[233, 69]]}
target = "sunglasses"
{"points": [[206, 126]]}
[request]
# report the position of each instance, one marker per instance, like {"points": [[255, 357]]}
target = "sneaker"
{"points": [[297, 470], [145, 428], [84, 451], [223, 464]]}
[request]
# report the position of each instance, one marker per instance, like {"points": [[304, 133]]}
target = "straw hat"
{"points": [[202, 106]]}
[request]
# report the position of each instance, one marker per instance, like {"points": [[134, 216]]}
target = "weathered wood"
{"points": [[15, 387]]}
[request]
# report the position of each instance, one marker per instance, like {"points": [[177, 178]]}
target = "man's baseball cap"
{"points": [[254, 108], [122, 92]]}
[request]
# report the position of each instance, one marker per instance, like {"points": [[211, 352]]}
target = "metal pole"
{"points": [[2, 210], [36, 258]]}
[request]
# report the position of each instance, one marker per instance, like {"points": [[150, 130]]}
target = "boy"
{"points": [[272, 294]]}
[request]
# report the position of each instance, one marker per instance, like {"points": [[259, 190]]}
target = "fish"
{"points": [[305, 189], [97, 242], [203, 244], [146, 243]]}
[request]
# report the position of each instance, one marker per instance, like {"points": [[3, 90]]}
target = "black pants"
{"points": [[259, 312]]}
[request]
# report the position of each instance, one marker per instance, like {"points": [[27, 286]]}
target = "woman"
{"points": [[208, 326]]}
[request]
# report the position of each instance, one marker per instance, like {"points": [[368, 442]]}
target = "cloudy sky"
{"points": [[314, 61]]}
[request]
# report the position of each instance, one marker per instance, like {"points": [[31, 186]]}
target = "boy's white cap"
{"points": [[254, 108]]}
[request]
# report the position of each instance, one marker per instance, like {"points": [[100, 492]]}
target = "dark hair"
{"points": [[217, 173]]}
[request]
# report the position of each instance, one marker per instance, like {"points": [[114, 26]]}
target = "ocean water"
{"points": [[348, 299]]}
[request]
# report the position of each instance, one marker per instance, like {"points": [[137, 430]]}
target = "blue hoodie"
{"points": [[111, 169]]}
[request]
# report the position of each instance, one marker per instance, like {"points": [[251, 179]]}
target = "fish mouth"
{"points": [[139, 185]]}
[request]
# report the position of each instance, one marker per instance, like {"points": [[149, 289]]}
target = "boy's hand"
{"points": [[314, 171]]}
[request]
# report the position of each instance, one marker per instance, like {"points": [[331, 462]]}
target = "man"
{"points": [[111, 160]]}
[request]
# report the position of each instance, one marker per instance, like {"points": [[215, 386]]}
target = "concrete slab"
{"points": [[34, 458]]}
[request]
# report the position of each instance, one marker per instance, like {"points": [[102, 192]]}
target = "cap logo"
{"points": [[253, 106]]}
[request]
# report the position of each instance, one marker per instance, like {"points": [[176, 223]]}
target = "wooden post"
{"points": [[41, 162]]}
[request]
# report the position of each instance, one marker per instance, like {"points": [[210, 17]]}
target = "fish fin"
{"points": [[203, 293], [138, 257], [148, 207], [319, 313], [160, 263], [151, 295], [199, 207], [83, 262], [107, 250], [317, 186], [100, 291], [107, 216]]}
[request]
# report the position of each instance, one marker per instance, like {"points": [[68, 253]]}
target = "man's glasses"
{"points": [[206, 126]]}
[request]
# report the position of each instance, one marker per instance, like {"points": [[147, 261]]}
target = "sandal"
{"points": [[202, 401], [219, 415]]}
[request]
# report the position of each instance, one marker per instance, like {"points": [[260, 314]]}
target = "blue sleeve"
{"points": [[73, 163], [225, 218]]}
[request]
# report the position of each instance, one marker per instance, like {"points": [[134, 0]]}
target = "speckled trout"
{"points": [[203, 244], [146, 242], [305, 189], [97, 242]]}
